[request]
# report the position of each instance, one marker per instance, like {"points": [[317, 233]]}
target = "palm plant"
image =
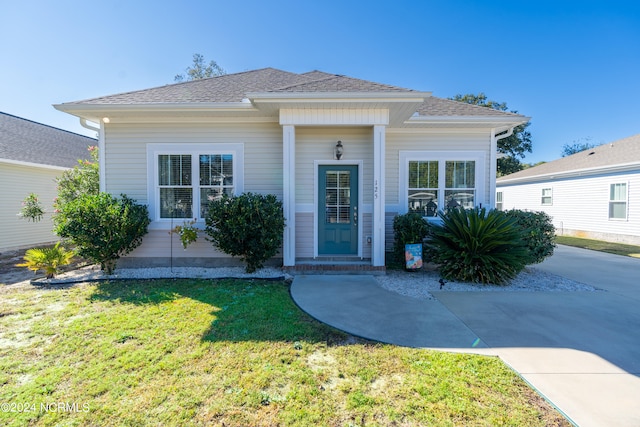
{"points": [[47, 259], [477, 245]]}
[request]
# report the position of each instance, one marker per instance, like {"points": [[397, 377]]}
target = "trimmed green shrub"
{"points": [[408, 228], [538, 232], [250, 226], [102, 227], [477, 246]]}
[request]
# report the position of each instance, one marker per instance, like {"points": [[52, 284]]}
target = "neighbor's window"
{"points": [[618, 201], [547, 196], [439, 180], [499, 205]]}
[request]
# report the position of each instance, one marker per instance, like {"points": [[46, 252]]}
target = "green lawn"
{"points": [[599, 245], [232, 353]]}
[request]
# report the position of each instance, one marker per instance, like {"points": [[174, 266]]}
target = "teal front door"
{"points": [[338, 210]]}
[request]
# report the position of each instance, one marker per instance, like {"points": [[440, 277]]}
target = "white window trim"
{"points": [[153, 188], [542, 196], [442, 157], [626, 202]]}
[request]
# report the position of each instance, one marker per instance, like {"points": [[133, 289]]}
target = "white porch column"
{"points": [[379, 154], [289, 194], [493, 167]]}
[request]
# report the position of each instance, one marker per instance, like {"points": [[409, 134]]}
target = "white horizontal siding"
{"points": [[304, 235], [580, 204], [389, 236], [126, 165], [16, 182], [334, 116], [126, 161], [163, 244], [318, 143]]}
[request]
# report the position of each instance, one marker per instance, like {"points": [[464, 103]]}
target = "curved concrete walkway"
{"points": [[581, 350]]}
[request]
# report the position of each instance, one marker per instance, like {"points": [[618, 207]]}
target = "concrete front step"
{"points": [[334, 266]]}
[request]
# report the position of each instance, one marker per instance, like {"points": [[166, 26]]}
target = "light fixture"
{"points": [[339, 150], [106, 120]]}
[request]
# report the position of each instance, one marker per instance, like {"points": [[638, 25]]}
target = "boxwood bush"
{"points": [[102, 227], [250, 226], [476, 245], [538, 232]]}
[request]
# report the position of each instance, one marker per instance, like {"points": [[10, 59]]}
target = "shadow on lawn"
{"points": [[244, 310]]}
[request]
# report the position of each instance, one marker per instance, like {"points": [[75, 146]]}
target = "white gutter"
{"points": [[505, 121], [624, 167], [344, 96], [33, 165], [84, 124], [165, 106], [101, 168], [493, 162]]}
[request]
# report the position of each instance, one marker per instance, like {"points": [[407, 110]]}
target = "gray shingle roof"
{"points": [[234, 87], [622, 152], [434, 106], [27, 141], [323, 82], [225, 88]]}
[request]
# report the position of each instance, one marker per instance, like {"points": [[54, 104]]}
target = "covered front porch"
{"points": [[333, 196]]}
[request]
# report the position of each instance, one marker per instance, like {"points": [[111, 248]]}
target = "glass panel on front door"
{"points": [[338, 197]]}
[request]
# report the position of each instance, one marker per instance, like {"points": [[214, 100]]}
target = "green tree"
{"points": [[577, 146], [83, 179], [515, 146], [200, 70]]}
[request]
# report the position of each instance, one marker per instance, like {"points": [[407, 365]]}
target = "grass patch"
{"points": [[599, 245], [233, 353]]}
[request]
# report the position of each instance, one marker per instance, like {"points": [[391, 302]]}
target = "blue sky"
{"points": [[573, 66]]}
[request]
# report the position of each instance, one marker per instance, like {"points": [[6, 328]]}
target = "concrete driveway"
{"points": [[581, 350]]}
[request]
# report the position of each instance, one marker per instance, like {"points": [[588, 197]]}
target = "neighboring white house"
{"points": [[32, 156], [593, 194], [273, 131]]}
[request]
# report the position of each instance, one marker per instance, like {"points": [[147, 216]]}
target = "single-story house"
{"points": [[592, 194], [32, 156], [344, 155]]}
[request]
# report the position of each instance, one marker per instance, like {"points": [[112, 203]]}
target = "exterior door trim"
{"points": [[316, 186]]}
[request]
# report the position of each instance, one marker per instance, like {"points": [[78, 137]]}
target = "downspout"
{"points": [[101, 168], [493, 171]]}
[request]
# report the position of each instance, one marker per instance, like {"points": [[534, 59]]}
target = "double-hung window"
{"points": [[423, 187], [618, 201], [436, 181], [460, 184], [499, 202], [546, 198], [185, 179]]}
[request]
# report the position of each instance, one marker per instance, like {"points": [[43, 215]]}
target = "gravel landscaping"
{"points": [[418, 284]]}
